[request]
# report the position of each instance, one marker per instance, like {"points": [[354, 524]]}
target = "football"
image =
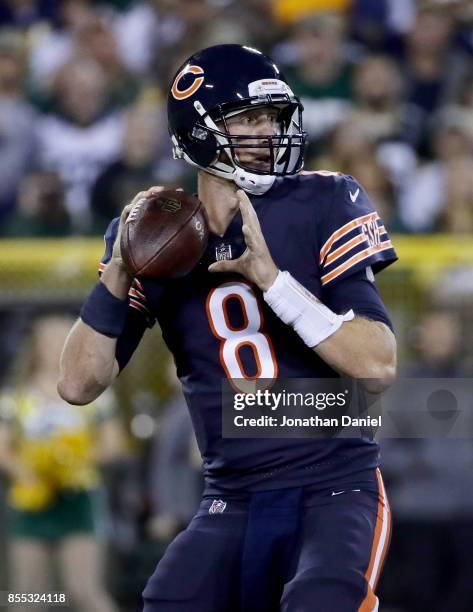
{"points": [[165, 235]]}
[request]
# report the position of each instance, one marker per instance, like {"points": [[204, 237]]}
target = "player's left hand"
{"points": [[256, 263]]}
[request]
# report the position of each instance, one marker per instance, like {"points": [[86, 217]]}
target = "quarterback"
{"points": [[285, 289]]}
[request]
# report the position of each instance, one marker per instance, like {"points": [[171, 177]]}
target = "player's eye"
{"points": [[253, 119], [241, 120]]}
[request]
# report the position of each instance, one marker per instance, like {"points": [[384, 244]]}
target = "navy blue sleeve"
{"points": [[358, 292], [138, 317], [351, 235]]}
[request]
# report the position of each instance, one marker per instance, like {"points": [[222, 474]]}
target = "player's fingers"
{"points": [[139, 196], [249, 235], [245, 206], [225, 266], [127, 209], [125, 213], [155, 189], [248, 213]]}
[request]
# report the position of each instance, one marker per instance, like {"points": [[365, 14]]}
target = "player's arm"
{"points": [[106, 334], [341, 340], [88, 362], [363, 349], [355, 346]]}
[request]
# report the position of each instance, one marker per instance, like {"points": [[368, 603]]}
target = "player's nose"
{"points": [[265, 126]]}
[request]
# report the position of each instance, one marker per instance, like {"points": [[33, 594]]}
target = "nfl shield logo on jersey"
{"points": [[217, 507], [223, 251]]}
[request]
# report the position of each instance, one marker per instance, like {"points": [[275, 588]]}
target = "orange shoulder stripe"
{"points": [[344, 248], [341, 231], [382, 246]]}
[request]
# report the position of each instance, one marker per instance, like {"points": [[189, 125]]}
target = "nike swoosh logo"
{"points": [[353, 196], [337, 492]]}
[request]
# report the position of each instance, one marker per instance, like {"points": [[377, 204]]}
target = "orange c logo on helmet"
{"points": [[182, 94]]}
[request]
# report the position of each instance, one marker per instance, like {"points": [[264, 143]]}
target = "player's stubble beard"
{"points": [[258, 159]]}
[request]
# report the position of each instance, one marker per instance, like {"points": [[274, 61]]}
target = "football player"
{"points": [[285, 289]]}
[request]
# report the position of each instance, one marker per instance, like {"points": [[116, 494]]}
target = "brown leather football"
{"points": [[165, 235]]}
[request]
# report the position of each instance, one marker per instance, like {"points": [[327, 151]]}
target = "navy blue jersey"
{"points": [[322, 228]]}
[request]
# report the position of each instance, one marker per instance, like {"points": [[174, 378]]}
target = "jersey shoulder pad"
{"points": [[320, 179]]}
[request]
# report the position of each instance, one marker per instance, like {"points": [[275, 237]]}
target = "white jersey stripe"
{"points": [[384, 533]]}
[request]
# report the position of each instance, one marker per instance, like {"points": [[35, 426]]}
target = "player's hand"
{"points": [[116, 276], [256, 263]]}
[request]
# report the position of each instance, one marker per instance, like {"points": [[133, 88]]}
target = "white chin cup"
{"points": [[256, 184]]}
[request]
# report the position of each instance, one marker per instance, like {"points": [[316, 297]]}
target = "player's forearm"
{"points": [[116, 279], [88, 364], [364, 350], [356, 347]]}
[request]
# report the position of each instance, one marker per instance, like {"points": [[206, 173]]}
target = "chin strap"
{"points": [[256, 184]]}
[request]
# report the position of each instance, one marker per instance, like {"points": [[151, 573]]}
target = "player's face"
{"points": [[263, 121]]}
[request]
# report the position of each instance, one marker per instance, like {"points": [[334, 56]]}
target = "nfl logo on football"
{"points": [[217, 507]]}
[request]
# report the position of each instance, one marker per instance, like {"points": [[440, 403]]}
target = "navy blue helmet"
{"points": [[219, 82]]}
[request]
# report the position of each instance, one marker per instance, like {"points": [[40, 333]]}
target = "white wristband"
{"points": [[297, 307]]}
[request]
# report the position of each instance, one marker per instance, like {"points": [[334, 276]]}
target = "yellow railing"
{"points": [[51, 272], [74, 260]]}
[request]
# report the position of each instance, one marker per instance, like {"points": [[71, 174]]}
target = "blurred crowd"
{"points": [[429, 482], [387, 87], [90, 487]]}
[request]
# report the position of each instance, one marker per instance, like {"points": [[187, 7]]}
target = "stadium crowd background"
{"points": [[387, 87]]}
